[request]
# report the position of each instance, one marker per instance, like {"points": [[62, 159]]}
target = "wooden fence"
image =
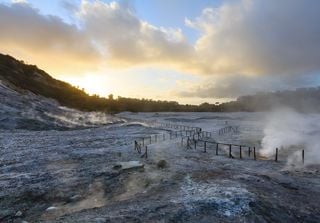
{"points": [[195, 137]]}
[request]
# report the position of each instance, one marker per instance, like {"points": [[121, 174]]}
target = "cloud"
{"points": [[107, 33], [19, 1], [259, 37], [71, 7], [128, 41], [233, 86], [45, 40], [222, 87], [245, 37]]}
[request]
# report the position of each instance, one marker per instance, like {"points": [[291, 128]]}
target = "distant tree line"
{"points": [[31, 78]]}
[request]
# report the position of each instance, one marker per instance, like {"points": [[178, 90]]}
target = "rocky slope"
{"points": [[22, 109]]}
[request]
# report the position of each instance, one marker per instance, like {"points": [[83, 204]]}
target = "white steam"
{"points": [[291, 131], [73, 118]]}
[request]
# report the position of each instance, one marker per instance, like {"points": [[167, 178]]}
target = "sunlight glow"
{"points": [[91, 83]]}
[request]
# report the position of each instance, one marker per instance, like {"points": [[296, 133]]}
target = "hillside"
{"points": [[21, 109], [33, 79]]}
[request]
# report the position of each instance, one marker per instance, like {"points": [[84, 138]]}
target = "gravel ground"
{"points": [[69, 176]]}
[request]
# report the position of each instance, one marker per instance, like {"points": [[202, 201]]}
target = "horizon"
{"points": [[203, 51]]}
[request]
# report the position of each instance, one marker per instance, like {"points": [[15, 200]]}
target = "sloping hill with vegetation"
{"points": [[31, 78]]}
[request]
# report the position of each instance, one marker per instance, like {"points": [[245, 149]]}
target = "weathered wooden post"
{"points": [[188, 142], [249, 151], [230, 155], [254, 153], [195, 144], [205, 146], [217, 147], [276, 158], [142, 141], [240, 152], [146, 152], [303, 156]]}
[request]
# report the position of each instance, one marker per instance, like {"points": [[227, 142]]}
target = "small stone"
{"points": [[100, 220], [18, 214], [52, 208], [76, 197]]}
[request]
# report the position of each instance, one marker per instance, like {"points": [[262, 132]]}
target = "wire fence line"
{"points": [[193, 138]]}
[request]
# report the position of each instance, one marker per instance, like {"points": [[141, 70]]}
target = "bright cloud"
{"points": [[260, 37], [126, 40], [45, 40]]}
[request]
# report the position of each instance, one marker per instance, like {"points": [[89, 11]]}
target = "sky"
{"points": [[190, 51]]}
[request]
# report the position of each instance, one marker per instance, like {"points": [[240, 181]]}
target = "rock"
{"points": [[52, 208], [18, 214], [76, 197], [129, 165], [162, 164], [100, 220]]}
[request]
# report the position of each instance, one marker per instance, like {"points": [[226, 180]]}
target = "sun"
{"points": [[93, 84]]}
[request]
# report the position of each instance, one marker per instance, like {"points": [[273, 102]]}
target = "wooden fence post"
{"points": [[240, 152], [249, 151], [188, 143], [205, 146], [217, 147], [230, 155], [254, 153], [303, 156], [276, 158]]}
